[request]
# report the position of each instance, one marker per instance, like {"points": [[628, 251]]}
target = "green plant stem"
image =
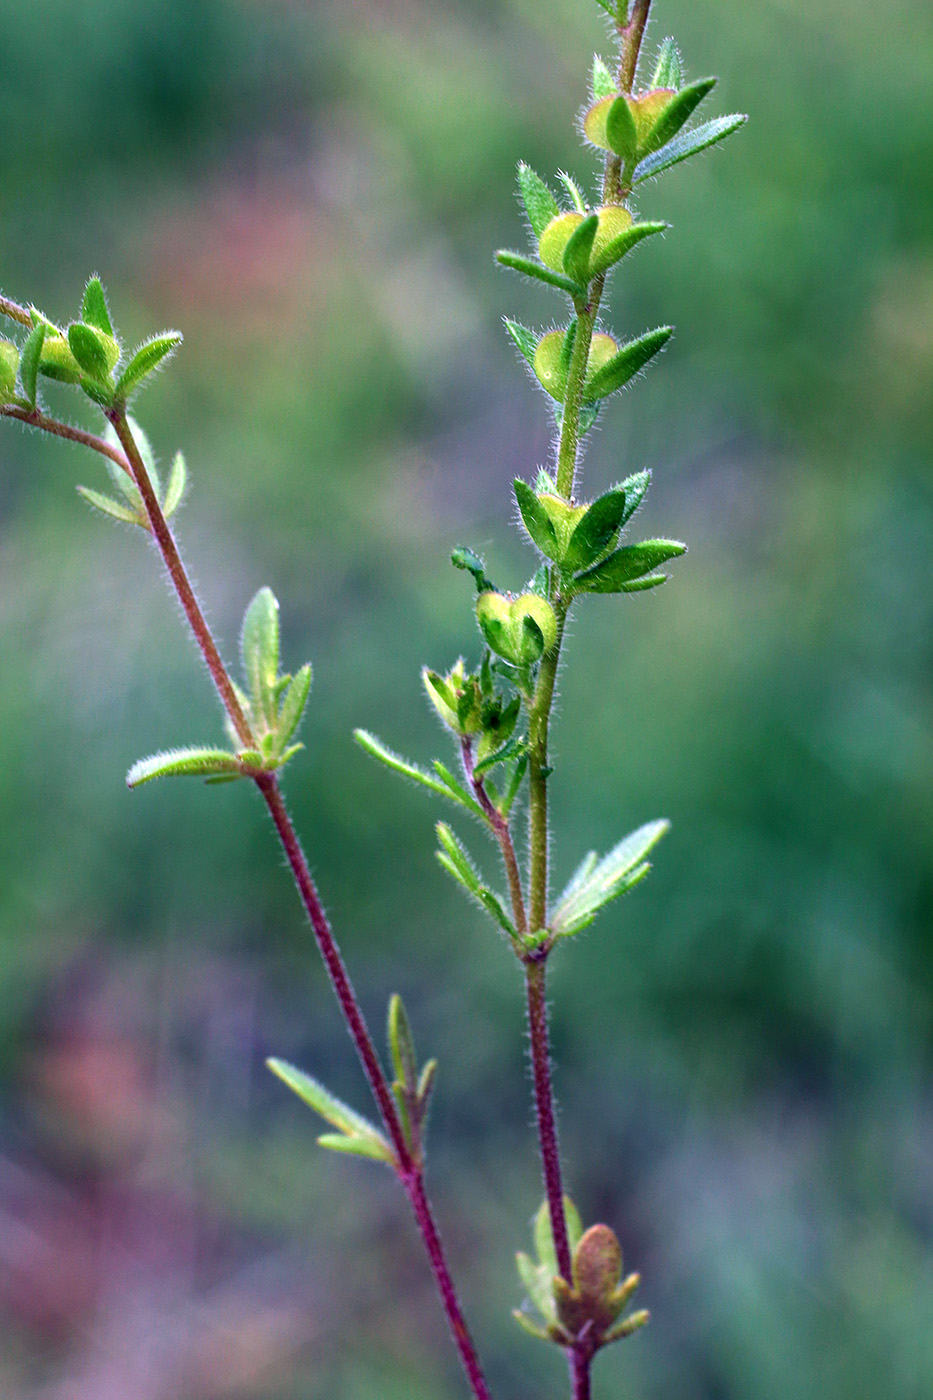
{"points": [[580, 1355], [408, 1170], [503, 834], [35, 418]]}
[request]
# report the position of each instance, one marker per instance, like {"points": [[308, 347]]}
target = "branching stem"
{"points": [[503, 834]]}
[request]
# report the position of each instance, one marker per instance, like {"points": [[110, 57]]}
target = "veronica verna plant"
{"points": [[497, 709]]}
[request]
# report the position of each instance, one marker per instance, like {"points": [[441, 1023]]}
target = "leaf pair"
{"points": [[273, 706], [454, 859], [131, 509], [596, 883]]}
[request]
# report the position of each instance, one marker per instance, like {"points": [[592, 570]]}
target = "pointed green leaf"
{"points": [[628, 1325], [538, 271], [596, 531], [687, 144], [511, 749], [627, 564], [494, 906], [293, 705], [377, 1149], [626, 364], [145, 359], [677, 112], [201, 763], [634, 487], [426, 1081], [378, 750], [544, 1239], [525, 339], [259, 651], [324, 1103], [87, 349], [611, 7], [97, 391], [540, 204], [402, 1043], [596, 883], [523, 1320], [536, 520], [111, 507], [463, 867], [177, 479], [94, 307], [573, 189], [617, 248], [579, 247], [29, 362], [603, 82], [668, 73], [452, 788], [621, 131]]}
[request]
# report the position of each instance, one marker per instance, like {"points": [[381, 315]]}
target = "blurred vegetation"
{"points": [[312, 193]]}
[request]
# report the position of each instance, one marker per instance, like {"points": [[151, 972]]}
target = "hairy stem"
{"points": [[180, 581], [35, 418], [15, 311], [544, 1106], [632, 34], [503, 835]]}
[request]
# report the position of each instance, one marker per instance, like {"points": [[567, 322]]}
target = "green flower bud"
{"points": [[549, 363], [9, 367], [613, 220], [57, 360], [456, 698], [645, 110], [520, 630]]}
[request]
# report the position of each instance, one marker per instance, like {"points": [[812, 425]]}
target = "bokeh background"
{"points": [[312, 192]]}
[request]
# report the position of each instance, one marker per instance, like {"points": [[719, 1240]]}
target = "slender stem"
{"points": [[35, 418], [409, 1171], [538, 722], [15, 311], [544, 1106], [581, 1359], [503, 835], [632, 34], [180, 581]]}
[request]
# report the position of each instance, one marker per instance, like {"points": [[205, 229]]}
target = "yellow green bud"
{"points": [[9, 366]]}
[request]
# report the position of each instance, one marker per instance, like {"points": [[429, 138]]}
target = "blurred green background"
{"points": [[312, 192]]}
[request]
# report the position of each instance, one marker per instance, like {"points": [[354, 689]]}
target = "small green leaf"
{"points": [[352, 1125], [94, 307], [378, 750], [87, 349], [425, 1085], [452, 788], [376, 1149], [540, 204], [511, 749], [634, 487], [177, 480], [402, 1044], [525, 339], [667, 73], [578, 250], [494, 906], [145, 359], [631, 358], [573, 189], [621, 131], [627, 564], [596, 883], [611, 8], [109, 506], [293, 705], [259, 652], [687, 144], [97, 391], [29, 362], [677, 112], [544, 1239], [597, 530], [536, 520], [463, 868], [604, 84], [617, 248], [539, 272], [201, 763]]}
